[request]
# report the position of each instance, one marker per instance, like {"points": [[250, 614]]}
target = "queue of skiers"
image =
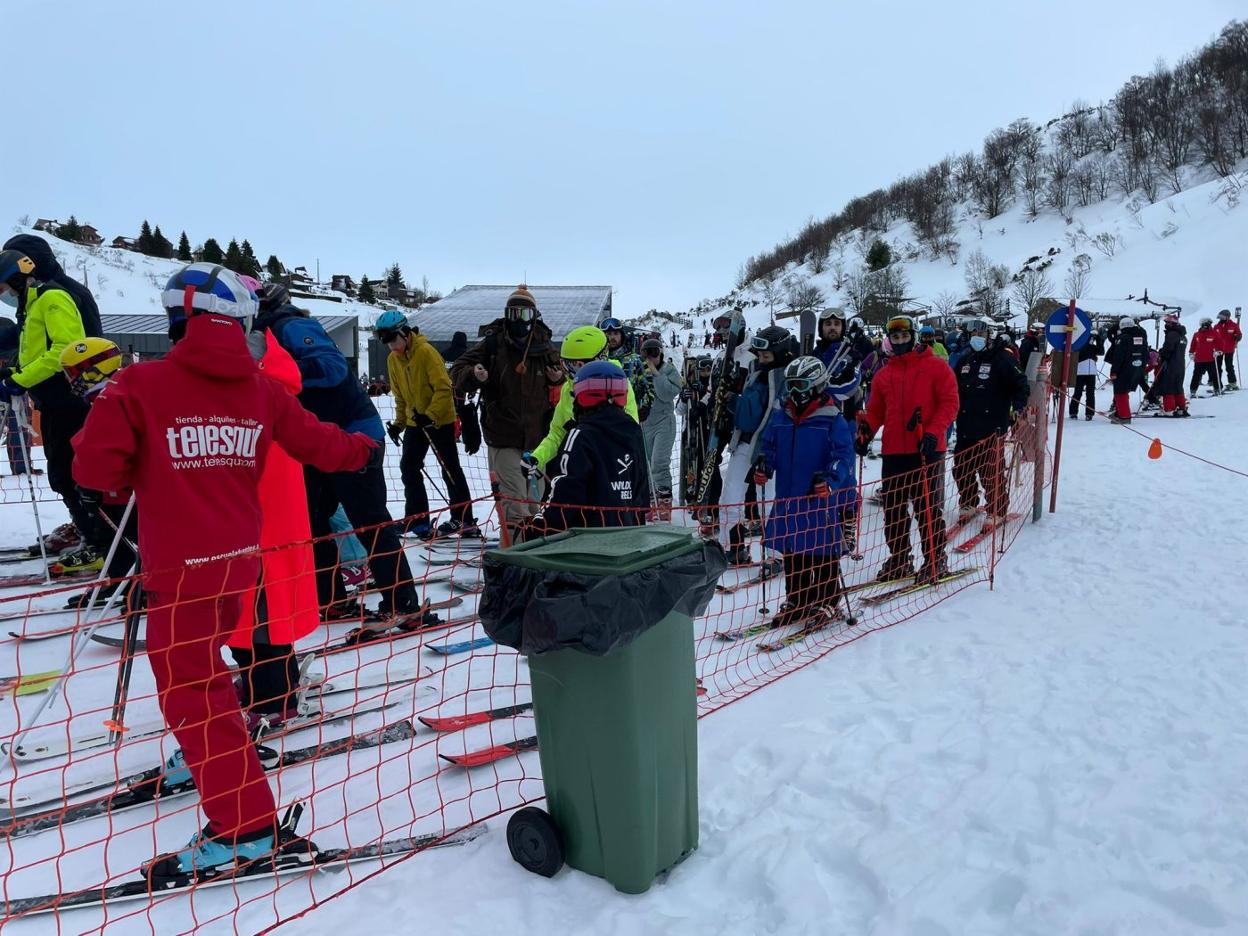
{"points": [[239, 449]]}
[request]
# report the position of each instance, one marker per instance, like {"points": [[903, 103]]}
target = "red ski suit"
{"points": [[1202, 345], [915, 379], [190, 434], [1228, 335], [285, 535]]}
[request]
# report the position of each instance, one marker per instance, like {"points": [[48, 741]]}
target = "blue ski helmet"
{"points": [[389, 325], [600, 382]]}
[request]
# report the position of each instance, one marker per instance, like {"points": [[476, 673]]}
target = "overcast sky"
{"points": [[651, 146]]}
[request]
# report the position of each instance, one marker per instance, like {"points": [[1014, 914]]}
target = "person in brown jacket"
{"points": [[513, 366], [424, 417]]}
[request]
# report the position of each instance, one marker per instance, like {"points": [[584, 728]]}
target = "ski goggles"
{"points": [[387, 335], [652, 352], [722, 323], [520, 313], [899, 325], [572, 366], [611, 324], [759, 343]]}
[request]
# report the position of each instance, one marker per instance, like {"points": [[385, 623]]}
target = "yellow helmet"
{"points": [[583, 344], [89, 363]]}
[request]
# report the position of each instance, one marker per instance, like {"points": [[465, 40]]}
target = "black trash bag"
{"points": [[534, 611]]}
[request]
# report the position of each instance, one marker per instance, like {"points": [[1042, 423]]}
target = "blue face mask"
{"points": [[978, 342]]}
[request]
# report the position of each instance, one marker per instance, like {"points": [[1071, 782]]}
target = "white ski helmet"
{"points": [[208, 287], [1126, 322]]}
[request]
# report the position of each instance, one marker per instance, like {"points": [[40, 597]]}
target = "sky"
{"points": [[648, 146]]}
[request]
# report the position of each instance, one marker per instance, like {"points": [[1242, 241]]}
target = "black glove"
{"points": [[5, 372], [927, 447], [395, 434], [90, 500], [469, 428], [421, 421], [643, 413], [862, 439]]}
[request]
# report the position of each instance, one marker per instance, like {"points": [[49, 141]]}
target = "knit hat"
{"points": [[522, 297]]}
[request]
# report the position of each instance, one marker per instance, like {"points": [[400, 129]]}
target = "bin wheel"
{"points": [[534, 841]]}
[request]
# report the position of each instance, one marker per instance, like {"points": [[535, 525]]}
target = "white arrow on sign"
{"points": [[1076, 330]]}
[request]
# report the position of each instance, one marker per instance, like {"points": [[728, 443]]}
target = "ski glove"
{"points": [[927, 447], [820, 488], [528, 464], [761, 477], [5, 373], [395, 434]]}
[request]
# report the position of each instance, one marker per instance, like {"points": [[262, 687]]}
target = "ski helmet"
{"points": [[1171, 319], [587, 343], [1126, 322], [15, 266], [89, 363], [1039, 326], [200, 288], [927, 334], [856, 324], [978, 327], [390, 325], [804, 379], [273, 296], [900, 323], [1225, 315], [600, 382], [779, 341], [652, 345], [1206, 322]]}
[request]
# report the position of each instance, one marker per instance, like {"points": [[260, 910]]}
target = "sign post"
{"points": [[1067, 330]]}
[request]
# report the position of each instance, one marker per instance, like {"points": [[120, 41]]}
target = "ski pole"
{"points": [[23, 440], [125, 666], [80, 640]]}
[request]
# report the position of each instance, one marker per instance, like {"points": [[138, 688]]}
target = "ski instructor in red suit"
{"points": [[190, 434]]}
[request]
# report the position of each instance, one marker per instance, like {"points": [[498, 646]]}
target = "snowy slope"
{"points": [[1187, 248], [1065, 755]]}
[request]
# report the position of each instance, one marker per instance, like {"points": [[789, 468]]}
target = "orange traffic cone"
{"points": [[1154, 450]]}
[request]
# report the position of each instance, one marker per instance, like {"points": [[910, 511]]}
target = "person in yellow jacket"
{"points": [[424, 416], [582, 345], [49, 320]]}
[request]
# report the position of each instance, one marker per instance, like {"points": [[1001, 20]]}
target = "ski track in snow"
{"points": [[1065, 755]]}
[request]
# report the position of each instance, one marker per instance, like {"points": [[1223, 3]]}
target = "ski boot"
{"points": [[421, 531], [207, 856], [260, 724], [966, 513], [771, 568], [64, 537], [454, 527], [1119, 420], [355, 576], [739, 556], [663, 507], [1180, 412], [83, 559], [1148, 406], [932, 571], [899, 566]]}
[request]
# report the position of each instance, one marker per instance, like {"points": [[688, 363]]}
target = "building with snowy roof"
{"points": [[470, 309]]}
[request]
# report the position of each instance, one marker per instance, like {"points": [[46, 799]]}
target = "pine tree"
{"points": [[70, 231], [184, 248], [212, 251], [161, 246], [394, 276], [274, 266], [250, 262], [879, 256], [234, 257], [366, 293], [144, 242]]}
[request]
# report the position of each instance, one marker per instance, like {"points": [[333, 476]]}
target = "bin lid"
{"points": [[600, 551]]}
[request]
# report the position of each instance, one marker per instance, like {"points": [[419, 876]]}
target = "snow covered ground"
{"points": [[1063, 755]]}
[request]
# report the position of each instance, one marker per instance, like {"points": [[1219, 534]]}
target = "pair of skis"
{"points": [[986, 531], [279, 865]]}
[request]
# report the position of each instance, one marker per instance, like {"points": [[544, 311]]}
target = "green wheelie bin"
{"points": [[605, 617]]}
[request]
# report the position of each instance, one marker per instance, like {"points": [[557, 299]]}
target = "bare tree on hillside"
{"points": [[1031, 180], [857, 288], [1030, 286], [1081, 184], [985, 281], [804, 295], [818, 256], [945, 303], [1079, 276]]}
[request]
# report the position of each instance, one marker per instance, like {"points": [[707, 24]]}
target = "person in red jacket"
{"points": [[1203, 349], [915, 398], [190, 434], [1229, 337]]}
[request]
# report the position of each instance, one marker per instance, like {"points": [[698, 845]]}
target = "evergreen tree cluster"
{"points": [[241, 258]]}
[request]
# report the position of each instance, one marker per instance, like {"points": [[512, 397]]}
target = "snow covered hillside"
{"points": [[1186, 249], [1063, 755]]}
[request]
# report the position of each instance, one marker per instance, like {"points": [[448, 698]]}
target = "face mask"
{"points": [[518, 330], [9, 298], [978, 342]]}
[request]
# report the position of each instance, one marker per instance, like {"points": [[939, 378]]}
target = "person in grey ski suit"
{"points": [[659, 429]]}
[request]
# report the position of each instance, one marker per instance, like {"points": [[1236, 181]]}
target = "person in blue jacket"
{"points": [[333, 395], [808, 448], [773, 348]]}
